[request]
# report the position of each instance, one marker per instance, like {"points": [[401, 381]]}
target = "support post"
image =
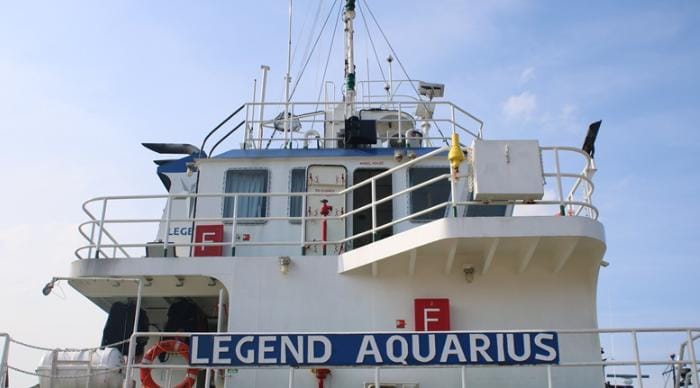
{"points": [[166, 238], [562, 211], [102, 225], [234, 221], [374, 209], [693, 359], [637, 364], [263, 85]]}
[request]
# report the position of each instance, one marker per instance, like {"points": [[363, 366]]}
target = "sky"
{"points": [[82, 83]]}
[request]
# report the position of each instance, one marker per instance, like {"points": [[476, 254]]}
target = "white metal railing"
{"points": [[635, 360], [305, 115], [102, 243], [633, 357]]}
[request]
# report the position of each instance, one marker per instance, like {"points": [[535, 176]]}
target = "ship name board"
{"points": [[372, 349]]}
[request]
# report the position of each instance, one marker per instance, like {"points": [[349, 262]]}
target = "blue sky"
{"points": [[83, 83]]}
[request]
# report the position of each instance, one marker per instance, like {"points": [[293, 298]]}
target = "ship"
{"points": [[377, 240]]}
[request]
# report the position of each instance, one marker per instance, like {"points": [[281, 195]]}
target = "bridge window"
{"points": [[246, 181], [297, 185], [431, 195]]}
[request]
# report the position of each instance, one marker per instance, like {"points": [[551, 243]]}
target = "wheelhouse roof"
{"points": [[307, 153]]}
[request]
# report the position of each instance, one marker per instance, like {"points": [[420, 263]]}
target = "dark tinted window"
{"points": [[431, 195]]}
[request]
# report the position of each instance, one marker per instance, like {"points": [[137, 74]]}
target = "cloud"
{"points": [[566, 119], [527, 75], [520, 106]]}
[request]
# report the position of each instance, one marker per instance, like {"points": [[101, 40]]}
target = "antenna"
{"points": [[287, 79], [348, 17]]}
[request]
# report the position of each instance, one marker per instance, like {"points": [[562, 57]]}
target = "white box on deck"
{"points": [[507, 170]]}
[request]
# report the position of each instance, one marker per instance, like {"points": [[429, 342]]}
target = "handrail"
{"points": [[211, 151], [221, 124], [99, 225], [448, 112], [635, 360]]}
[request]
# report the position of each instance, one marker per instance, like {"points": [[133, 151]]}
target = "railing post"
{"points": [[549, 377], [559, 186], [166, 238], [303, 223], [453, 191], [102, 220], [233, 225], [291, 377], [464, 376], [374, 209], [454, 120], [693, 359], [92, 237], [130, 361], [637, 364], [5, 357], [54, 359], [376, 378], [400, 131]]}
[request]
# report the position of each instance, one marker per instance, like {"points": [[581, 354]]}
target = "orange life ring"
{"points": [[170, 346]]}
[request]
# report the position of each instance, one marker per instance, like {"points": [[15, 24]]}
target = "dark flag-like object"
{"points": [[589, 143]]}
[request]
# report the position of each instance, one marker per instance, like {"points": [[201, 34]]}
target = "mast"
{"points": [[348, 17], [287, 79]]}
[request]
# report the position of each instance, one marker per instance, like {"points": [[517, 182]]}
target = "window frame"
{"points": [[409, 204], [289, 200], [266, 206]]}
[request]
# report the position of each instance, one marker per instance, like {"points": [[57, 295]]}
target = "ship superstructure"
{"points": [[361, 241]]}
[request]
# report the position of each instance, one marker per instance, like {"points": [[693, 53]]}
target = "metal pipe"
{"points": [[374, 208], [288, 78], [463, 376], [249, 128], [169, 206], [5, 357], [561, 191], [54, 359], [291, 377], [234, 222], [303, 222], [636, 359], [348, 17], [102, 220], [390, 92], [92, 236], [400, 131], [263, 85], [221, 311], [376, 378], [693, 359], [549, 377]]}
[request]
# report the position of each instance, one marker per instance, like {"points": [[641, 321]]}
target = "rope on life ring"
{"points": [[169, 346]]}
